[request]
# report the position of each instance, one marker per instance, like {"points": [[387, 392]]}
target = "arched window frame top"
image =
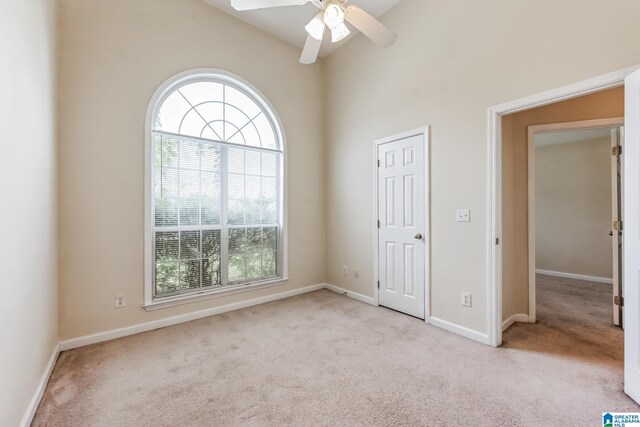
{"points": [[210, 75]]}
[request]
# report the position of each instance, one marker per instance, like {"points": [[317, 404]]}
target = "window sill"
{"points": [[210, 294]]}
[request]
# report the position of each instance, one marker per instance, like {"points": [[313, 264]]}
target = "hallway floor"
{"points": [[574, 319]]}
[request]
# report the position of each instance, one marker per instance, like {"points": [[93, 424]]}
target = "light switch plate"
{"points": [[463, 215]]}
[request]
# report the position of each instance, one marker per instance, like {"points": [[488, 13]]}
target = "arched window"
{"points": [[215, 184]]}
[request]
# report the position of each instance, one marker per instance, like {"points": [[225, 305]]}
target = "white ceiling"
{"points": [[564, 137], [287, 23]]}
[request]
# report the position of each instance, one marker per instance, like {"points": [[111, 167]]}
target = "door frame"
{"points": [[617, 212], [532, 131], [425, 131], [494, 180]]}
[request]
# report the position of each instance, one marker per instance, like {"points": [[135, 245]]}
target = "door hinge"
{"points": [[497, 241], [378, 284], [617, 225], [378, 223], [618, 300], [378, 163], [616, 151]]}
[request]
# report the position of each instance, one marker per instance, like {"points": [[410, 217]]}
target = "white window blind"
{"points": [[216, 191]]}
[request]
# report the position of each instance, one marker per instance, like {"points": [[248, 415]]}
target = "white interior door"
{"points": [[402, 229], [631, 236], [616, 224]]}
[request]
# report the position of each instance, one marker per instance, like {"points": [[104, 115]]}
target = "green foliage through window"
{"points": [[216, 162], [190, 196]]}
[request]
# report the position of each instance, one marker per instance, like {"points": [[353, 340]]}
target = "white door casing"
{"points": [[494, 182], [616, 215], [403, 228], [631, 236]]}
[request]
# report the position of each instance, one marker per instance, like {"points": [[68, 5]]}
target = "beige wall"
{"points": [[452, 61], [515, 268], [573, 208], [114, 54], [28, 255]]}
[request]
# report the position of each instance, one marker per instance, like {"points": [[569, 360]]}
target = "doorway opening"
{"points": [[562, 259], [628, 82], [575, 214], [556, 208]]}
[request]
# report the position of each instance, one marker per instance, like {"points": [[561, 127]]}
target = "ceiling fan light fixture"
{"points": [[339, 33], [315, 28], [333, 16]]}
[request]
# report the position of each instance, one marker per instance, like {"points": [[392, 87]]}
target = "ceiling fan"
{"points": [[333, 15]]}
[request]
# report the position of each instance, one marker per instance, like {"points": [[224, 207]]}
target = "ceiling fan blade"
{"points": [[370, 26], [310, 51], [242, 5]]}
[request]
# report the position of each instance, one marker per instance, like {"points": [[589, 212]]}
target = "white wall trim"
{"points": [[524, 318], [460, 330], [577, 125], [42, 385], [174, 320], [351, 294], [531, 219], [211, 294], [494, 180], [606, 280]]}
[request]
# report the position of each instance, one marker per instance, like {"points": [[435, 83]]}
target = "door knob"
{"points": [[418, 236]]}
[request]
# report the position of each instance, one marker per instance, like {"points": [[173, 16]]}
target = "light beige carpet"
{"points": [[326, 360]]}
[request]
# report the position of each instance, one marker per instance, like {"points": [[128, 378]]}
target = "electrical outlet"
{"points": [[466, 299], [345, 270], [120, 301], [356, 273], [463, 215]]}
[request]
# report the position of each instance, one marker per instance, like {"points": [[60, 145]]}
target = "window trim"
{"points": [[166, 89]]}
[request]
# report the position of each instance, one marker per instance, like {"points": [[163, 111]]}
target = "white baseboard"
{"points": [[174, 320], [460, 330], [42, 385], [515, 318], [575, 276], [351, 294]]}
